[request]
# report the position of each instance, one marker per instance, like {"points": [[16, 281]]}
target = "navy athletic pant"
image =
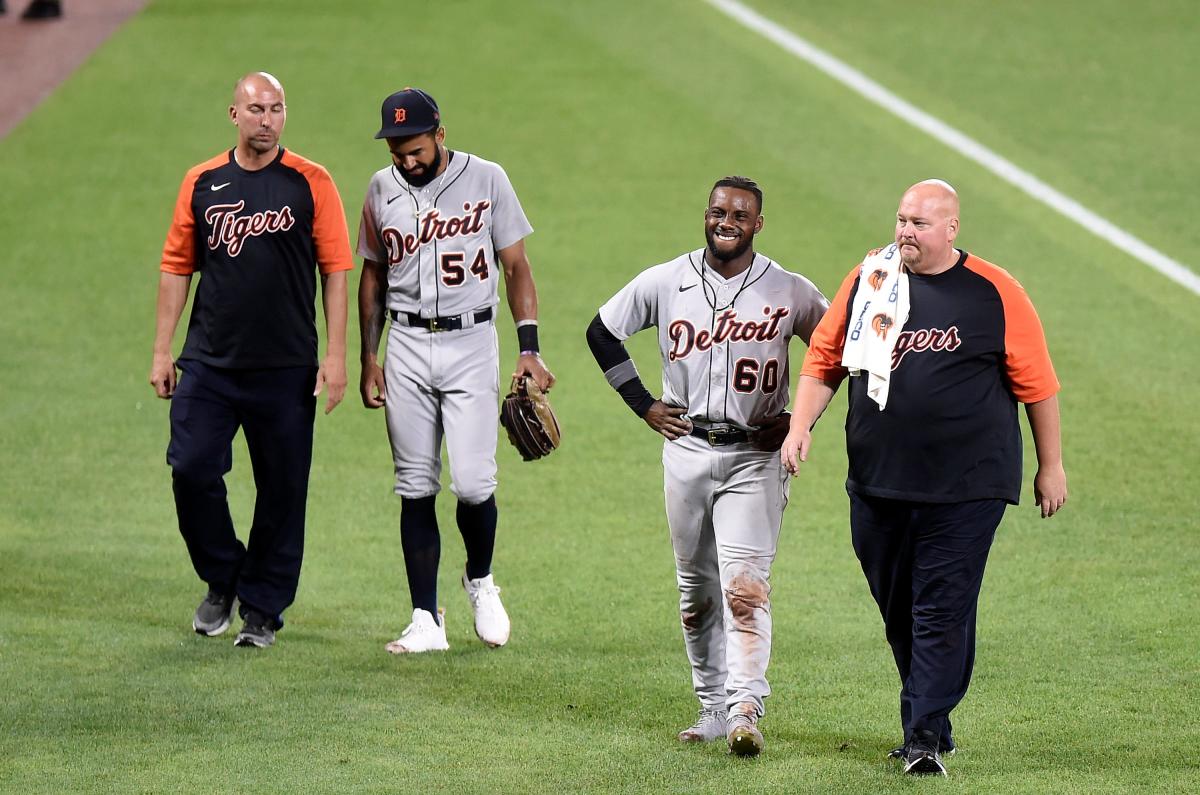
{"points": [[275, 409], [924, 563]]}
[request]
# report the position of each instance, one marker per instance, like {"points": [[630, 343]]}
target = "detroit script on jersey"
{"points": [[685, 337], [433, 226]]}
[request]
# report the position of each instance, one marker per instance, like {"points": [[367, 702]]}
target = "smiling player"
{"points": [[725, 316]]}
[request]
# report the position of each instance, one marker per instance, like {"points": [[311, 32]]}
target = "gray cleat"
{"points": [[712, 724]]}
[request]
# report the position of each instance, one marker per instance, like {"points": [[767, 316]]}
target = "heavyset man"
{"points": [[437, 227], [256, 222], [725, 315], [941, 346]]}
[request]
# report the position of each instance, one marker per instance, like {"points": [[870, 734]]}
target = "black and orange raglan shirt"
{"points": [[257, 240], [971, 349]]}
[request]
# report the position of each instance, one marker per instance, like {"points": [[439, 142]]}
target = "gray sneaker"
{"points": [[212, 616], [257, 631], [744, 737], [711, 725]]}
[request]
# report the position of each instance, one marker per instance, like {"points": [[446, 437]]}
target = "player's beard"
{"points": [[743, 245], [425, 177]]}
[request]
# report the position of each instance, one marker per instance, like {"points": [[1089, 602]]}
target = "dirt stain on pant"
{"points": [[746, 593], [692, 619]]}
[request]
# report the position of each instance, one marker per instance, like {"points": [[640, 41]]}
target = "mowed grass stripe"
{"points": [[961, 143]]}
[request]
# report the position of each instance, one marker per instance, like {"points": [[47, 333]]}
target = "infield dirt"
{"points": [[36, 56]]}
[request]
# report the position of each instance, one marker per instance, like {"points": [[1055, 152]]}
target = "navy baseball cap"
{"points": [[408, 112]]}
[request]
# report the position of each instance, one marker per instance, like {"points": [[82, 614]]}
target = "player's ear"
{"points": [[233, 113], [440, 135], [758, 225]]}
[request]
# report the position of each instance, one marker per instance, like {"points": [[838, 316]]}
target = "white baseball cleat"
{"points": [[712, 724], [423, 634], [491, 621]]}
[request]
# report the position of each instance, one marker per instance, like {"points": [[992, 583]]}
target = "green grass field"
{"points": [[613, 120]]}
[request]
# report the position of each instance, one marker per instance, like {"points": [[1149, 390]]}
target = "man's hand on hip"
{"points": [[668, 420]]}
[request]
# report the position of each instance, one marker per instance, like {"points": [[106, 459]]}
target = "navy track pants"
{"points": [[275, 409], [924, 563]]}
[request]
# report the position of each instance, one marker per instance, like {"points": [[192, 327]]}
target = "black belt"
{"points": [[718, 437], [453, 323]]}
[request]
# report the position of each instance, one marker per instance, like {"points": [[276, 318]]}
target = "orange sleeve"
{"points": [[329, 217], [1026, 357], [824, 357], [179, 252]]}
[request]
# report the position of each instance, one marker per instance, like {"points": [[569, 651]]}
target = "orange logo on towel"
{"points": [[882, 323], [877, 278]]}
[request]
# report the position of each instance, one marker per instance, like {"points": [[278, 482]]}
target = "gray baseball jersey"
{"points": [[440, 241], [724, 343]]}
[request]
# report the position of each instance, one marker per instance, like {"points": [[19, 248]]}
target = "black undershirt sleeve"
{"points": [[610, 354]]}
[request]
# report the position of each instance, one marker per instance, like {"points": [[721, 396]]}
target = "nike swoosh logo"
{"points": [[685, 289], [397, 196], [215, 188]]}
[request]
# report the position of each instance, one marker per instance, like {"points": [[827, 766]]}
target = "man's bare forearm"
{"points": [[371, 314], [333, 298], [172, 296]]}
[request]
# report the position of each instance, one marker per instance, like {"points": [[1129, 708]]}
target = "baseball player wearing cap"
{"points": [[435, 226], [725, 315], [255, 225]]}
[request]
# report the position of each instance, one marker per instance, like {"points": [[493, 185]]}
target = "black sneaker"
{"points": [[898, 753], [213, 614], [257, 631], [43, 9], [921, 757]]}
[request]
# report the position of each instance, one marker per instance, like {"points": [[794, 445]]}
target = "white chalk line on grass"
{"points": [[961, 143]]}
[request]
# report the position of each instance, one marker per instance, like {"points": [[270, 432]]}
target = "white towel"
{"points": [[878, 315]]}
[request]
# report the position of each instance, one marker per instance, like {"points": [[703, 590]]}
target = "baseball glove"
{"points": [[530, 422]]}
